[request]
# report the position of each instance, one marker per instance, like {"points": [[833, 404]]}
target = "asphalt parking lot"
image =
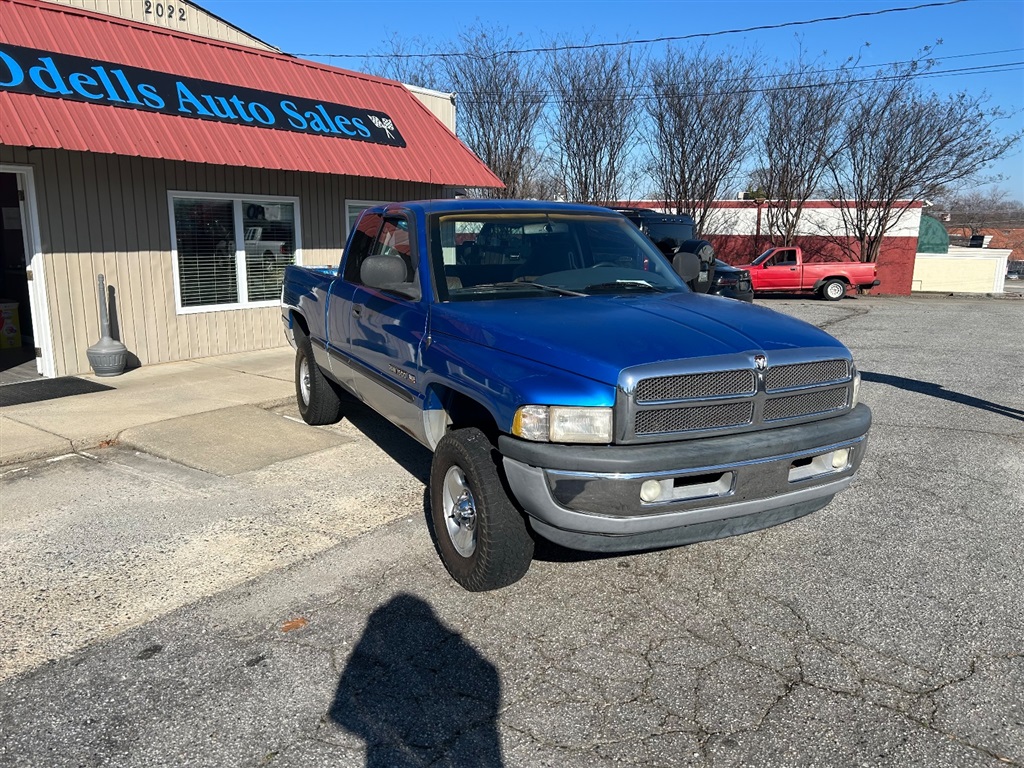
{"points": [[296, 613]]}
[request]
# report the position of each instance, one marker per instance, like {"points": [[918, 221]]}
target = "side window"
{"points": [[385, 260], [785, 258], [362, 240], [393, 240]]}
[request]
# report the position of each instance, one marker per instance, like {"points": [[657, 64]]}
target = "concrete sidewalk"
{"points": [[143, 397]]}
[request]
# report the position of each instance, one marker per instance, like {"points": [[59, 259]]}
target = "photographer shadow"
{"points": [[417, 693]]}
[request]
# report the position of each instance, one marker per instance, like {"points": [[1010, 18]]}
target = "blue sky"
{"points": [[978, 32]]}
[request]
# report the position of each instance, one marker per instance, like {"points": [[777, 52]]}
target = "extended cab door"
{"points": [[781, 271], [342, 294], [387, 326]]}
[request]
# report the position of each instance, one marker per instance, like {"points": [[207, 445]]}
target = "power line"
{"points": [[1012, 66], [547, 96], [900, 63], [624, 43], [757, 78]]}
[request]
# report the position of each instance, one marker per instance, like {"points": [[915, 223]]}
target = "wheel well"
{"points": [[299, 325], [454, 410], [822, 281]]}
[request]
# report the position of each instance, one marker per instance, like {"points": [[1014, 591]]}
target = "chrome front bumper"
{"points": [[590, 497]]}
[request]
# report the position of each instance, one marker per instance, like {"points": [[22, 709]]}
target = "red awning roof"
{"points": [[432, 154]]}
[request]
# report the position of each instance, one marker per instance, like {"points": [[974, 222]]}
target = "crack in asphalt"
{"points": [[790, 677]]}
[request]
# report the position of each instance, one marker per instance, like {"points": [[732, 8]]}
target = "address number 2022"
{"points": [[165, 10]]}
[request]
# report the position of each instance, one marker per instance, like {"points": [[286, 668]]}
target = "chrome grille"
{"points": [[695, 385], [662, 420], [806, 374], [672, 402], [805, 404]]}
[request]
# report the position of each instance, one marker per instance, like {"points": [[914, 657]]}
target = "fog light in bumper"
{"points": [[830, 463], [650, 491], [840, 458]]}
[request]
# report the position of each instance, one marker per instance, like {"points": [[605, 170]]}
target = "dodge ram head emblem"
{"points": [[760, 362]]}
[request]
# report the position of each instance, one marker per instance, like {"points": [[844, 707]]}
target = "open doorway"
{"points": [[20, 353]]}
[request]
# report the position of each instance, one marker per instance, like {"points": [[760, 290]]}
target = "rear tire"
{"points": [[481, 537], [833, 290], [317, 399]]}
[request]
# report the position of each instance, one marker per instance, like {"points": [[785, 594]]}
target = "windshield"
{"points": [[498, 255], [763, 256]]}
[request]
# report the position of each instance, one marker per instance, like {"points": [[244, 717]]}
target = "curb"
{"points": [[80, 445], [1008, 296]]}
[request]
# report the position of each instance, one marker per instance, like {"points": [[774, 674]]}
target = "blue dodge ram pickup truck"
{"points": [[569, 384]]}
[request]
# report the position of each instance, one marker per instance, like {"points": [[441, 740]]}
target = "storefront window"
{"points": [[205, 232], [232, 252], [269, 247]]}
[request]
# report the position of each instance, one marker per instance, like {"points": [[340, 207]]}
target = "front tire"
{"points": [[481, 537], [317, 399], [833, 290]]}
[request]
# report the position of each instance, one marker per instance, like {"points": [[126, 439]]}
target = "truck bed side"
{"points": [[306, 290]]}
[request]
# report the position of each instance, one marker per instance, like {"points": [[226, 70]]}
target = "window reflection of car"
{"points": [[256, 245], [268, 251]]}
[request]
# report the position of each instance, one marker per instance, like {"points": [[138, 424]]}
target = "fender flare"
{"points": [[820, 282]]}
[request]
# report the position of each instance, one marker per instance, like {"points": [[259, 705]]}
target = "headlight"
{"points": [[563, 424], [856, 389], [531, 423]]}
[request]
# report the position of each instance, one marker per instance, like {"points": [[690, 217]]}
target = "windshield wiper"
{"points": [[526, 284], [629, 285]]}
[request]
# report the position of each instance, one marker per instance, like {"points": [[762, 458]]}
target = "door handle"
{"points": [[357, 310]]}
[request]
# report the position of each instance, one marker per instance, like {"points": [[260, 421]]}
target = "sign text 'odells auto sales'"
{"points": [[43, 73]]}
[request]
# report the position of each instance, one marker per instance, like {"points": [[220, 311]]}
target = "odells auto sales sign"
{"points": [[42, 73]]}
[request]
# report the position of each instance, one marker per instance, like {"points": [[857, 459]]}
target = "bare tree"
{"points": [[798, 137], [593, 120], [701, 114], [411, 62], [542, 181], [901, 146], [501, 103], [972, 210]]}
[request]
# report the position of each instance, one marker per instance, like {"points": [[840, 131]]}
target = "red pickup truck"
{"points": [[784, 269]]}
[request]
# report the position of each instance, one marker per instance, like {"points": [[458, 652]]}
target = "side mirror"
{"points": [[388, 273], [686, 265], [381, 271]]}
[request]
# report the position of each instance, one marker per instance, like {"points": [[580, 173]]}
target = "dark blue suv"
{"points": [[674, 232]]}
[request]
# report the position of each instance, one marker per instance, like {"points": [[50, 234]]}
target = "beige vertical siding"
{"points": [[197, 21], [109, 214], [441, 104]]}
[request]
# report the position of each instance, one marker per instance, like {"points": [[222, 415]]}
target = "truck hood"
{"points": [[598, 336]]}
